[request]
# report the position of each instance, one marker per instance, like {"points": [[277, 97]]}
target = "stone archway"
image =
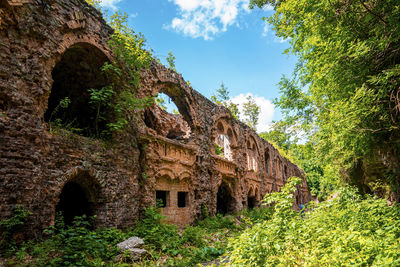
{"points": [[73, 202], [69, 103], [225, 200], [80, 195]]}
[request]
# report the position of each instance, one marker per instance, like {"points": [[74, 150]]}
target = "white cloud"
{"points": [[267, 110], [268, 8], [206, 18], [265, 30], [110, 3]]}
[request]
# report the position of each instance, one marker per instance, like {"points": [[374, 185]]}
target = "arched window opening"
{"points": [[73, 202], [251, 199], [78, 82], [285, 172], [266, 155], [220, 128], [224, 141], [225, 201], [251, 202], [164, 117], [252, 164]]}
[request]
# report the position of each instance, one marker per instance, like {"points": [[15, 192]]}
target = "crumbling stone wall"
{"points": [[121, 177]]}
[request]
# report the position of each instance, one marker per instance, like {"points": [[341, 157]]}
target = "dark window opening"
{"points": [[251, 202], [149, 119], [285, 172], [161, 198], [70, 105], [73, 202], [267, 162], [224, 200], [182, 199]]}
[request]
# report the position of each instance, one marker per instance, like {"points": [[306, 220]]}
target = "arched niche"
{"points": [[267, 161], [74, 75], [225, 199], [79, 196], [225, 139], [176, 124], [252, 154], [252, 197]]}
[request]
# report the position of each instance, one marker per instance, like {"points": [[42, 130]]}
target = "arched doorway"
{"points": [[73, 202], [75, 77], [252, 198], [225, 201]]}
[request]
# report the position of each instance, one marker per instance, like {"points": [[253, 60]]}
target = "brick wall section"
{"points": [[120, 178]]}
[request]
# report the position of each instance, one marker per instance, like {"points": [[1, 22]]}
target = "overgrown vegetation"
{"points": [[222, 98], [9, 227], [79, 245], [347, 230], [345, 89], [113, 105]]}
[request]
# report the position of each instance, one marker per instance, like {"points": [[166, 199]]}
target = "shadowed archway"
{"points": [[225, 201], [69, 103]]}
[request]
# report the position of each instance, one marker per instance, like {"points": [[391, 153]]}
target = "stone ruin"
{"points": [[55, 48]]}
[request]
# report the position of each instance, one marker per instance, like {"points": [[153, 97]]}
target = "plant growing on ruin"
{"points": [[218, 150], [222, 98], [9, 227], [62, 105], [161, 102], [171, 61], [100, 99], [251, 112]]}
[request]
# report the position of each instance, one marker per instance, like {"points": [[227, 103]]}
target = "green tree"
{"points": [[346, 85], [280, 135], [222, 98], [251, 112]]}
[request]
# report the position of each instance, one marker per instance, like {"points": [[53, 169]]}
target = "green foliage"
{"points": [[80, 245], [223, 98], [222, 95], [251, 111], [161, 102], [62, 105], [218, 222], [345, 88], [95, 3], [100, 100], [218, 150], [157, 234], [171, 61], [115, 104], [130, 56], [76, 245], [280, 135], [9, 227], [346, 230]]}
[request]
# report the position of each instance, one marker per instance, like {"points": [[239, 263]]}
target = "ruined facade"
{"points": [[54, 49]]}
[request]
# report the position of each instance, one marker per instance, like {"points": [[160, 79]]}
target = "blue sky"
{"points": [[215, 41]]}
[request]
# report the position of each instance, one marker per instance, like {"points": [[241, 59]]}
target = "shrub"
{"points": [[9, 227], [156, 233], [348, 230]]}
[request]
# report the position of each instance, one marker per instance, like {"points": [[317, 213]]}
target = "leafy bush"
{"points": [[193, 235], [9, 227], [76, 245], [156, 233], [347, 230], [218, 222]]}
